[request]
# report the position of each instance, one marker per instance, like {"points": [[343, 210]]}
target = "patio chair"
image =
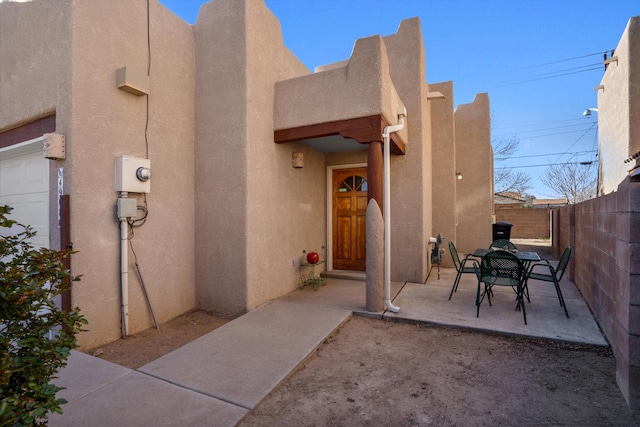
{"points": [[503, 244], [461, 266], [500, 268], [554, 276]]}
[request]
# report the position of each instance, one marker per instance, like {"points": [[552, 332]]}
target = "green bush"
{"points": [[35, 335]]}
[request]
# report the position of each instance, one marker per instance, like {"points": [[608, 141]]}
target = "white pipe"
{"points": [[124, 271], [388, 130]]}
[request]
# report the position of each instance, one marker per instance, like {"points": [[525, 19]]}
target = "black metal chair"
{"points": [[503, 244], [461, 266], [554, 276], [500, 268]]}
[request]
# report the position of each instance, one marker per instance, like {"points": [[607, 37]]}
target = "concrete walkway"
{"points": [[218, 378]]}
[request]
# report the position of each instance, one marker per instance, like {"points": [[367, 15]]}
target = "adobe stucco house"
{"points": [[605, 232], [619, 112], [226, 107]]}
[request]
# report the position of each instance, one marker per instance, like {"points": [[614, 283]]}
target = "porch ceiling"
{"points": [[333, 144]]}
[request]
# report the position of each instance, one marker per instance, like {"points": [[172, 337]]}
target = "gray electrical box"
{"points": [[127, 208]]}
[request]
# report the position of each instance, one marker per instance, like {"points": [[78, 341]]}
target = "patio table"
{"points": [[527, 257]]}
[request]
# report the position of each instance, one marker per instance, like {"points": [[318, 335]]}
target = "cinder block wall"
{"points": [[563, 230], [527, 223], [606, 232]]}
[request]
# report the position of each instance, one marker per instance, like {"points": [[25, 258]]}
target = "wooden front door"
{"points": [[349, 218]]}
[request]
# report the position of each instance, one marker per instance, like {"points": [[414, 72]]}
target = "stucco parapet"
{"points": [[406, 47], [361, 87], [479, 106]]}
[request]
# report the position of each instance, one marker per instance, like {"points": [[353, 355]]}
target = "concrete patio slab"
{"points": [[347, 294], [429, 303]]}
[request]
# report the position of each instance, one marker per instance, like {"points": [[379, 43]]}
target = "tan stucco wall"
{"points": [[474, 159], [255, 213], [71, 69], [411, 174], [27, 90], [346, 157], [361, 87], [444, 166], [619, 111], [42, 89], [107, 122], [288, 207]]}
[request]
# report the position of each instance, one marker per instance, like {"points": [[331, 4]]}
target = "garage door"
{"points": [[24, 185]]}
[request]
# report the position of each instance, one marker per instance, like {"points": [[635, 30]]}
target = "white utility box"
{"points": [[133, 174]]}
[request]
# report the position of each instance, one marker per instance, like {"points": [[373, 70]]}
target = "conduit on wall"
{"points": [[388, 130], [124, 266]]}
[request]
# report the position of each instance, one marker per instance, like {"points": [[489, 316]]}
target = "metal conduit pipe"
{"points": [[124, 270], [388, 130]]}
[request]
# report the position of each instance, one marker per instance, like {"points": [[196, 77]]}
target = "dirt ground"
{"points": [[373, 372], [139, 349]]}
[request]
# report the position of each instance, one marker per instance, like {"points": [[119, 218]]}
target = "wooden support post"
{"points": [[374, 172], [65, 243]]}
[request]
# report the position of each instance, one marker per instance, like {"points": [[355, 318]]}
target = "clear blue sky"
{"points": [[518, 51]]}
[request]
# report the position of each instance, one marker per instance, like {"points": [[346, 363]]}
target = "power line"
{"points": [[559, 61], [577, 153], [567, 150], [556, 163], [541, 123], [544, 129], [558, 133], [544, 78], [576, 141], [587, 163], [595, 64], [595, 139]]}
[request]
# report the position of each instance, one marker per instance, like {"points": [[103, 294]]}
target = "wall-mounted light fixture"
{"points": [[587, 112], [459, 175], [297, 160]]}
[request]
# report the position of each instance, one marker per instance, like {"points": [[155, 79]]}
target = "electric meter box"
{"points": [[127, 176]]}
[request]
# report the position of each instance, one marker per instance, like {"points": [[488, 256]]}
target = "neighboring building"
{"points": [[548, 203], [530, 217], [619, 112], [508, 200], [254, 158], [513, 200], [603, 232]]}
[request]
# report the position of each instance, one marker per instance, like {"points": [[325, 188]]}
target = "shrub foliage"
{"points": [[36, 336]]}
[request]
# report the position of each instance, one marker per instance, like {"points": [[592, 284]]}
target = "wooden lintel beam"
{"points": [[28, 131], [363, 130], [397, 147], [326, 129]]}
